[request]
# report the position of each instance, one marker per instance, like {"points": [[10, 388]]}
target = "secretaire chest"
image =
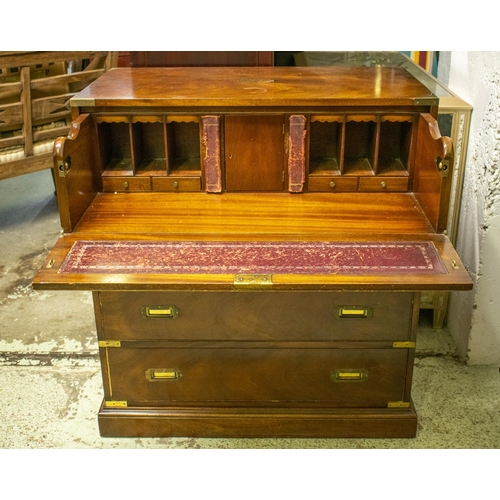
{"points": [[256, 240]]}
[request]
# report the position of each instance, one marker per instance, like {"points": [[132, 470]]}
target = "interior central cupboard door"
{"points": [[254, 149]]}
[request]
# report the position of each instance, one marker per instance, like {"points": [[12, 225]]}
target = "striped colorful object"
{"points": [[426, 59]]}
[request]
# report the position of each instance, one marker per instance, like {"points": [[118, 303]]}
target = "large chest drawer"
{"points": [[159, 376], [254, 315]]}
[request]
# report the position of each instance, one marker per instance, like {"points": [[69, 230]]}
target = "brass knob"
{"points": [[439, 163], [125, 185], [383, 184], [176, 184], [332, 184]]}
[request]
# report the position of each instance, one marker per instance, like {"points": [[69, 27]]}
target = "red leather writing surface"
{"points": [[158, 257]]}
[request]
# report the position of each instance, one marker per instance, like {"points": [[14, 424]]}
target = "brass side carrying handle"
{"points": [[354, 312], [443, 165], [64, 166], [160, 312], [157, 374]]}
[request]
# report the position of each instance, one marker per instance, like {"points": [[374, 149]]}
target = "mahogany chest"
{"points": [[256, 241]]}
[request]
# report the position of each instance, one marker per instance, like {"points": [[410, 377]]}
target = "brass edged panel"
{"points": [[403, 345], [398, 404], [82, 101], [109, 343], [115, 404]]}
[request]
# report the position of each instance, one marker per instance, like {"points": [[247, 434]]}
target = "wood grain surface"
{"points": [[256, 86]]}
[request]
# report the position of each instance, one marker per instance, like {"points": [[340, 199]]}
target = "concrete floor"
{"points": [[50, 386]]}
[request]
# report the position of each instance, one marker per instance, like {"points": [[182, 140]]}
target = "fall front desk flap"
{"points": [[95, 262]]}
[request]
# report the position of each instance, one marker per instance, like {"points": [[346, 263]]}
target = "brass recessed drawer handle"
{"points": [[160, 312], [349, 375], [154, 374], [354, 312]]}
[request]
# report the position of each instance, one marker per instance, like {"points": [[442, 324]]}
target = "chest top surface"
{"points": [[256, 86]]}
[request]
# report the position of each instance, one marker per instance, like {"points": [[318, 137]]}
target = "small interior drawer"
{"points": [[383, 183], [125, 183], [176, 183], [332, 184]]}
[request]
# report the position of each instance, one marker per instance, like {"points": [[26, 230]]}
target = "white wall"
{"points": [[474, 318]]}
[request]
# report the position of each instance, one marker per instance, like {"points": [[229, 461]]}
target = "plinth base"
{"points": [[251, 422]]}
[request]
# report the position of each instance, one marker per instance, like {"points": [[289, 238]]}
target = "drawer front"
{"points": [[174, 184], [358, 377], [332, 184], [132, 184], [255, 315], [382, 183]]}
